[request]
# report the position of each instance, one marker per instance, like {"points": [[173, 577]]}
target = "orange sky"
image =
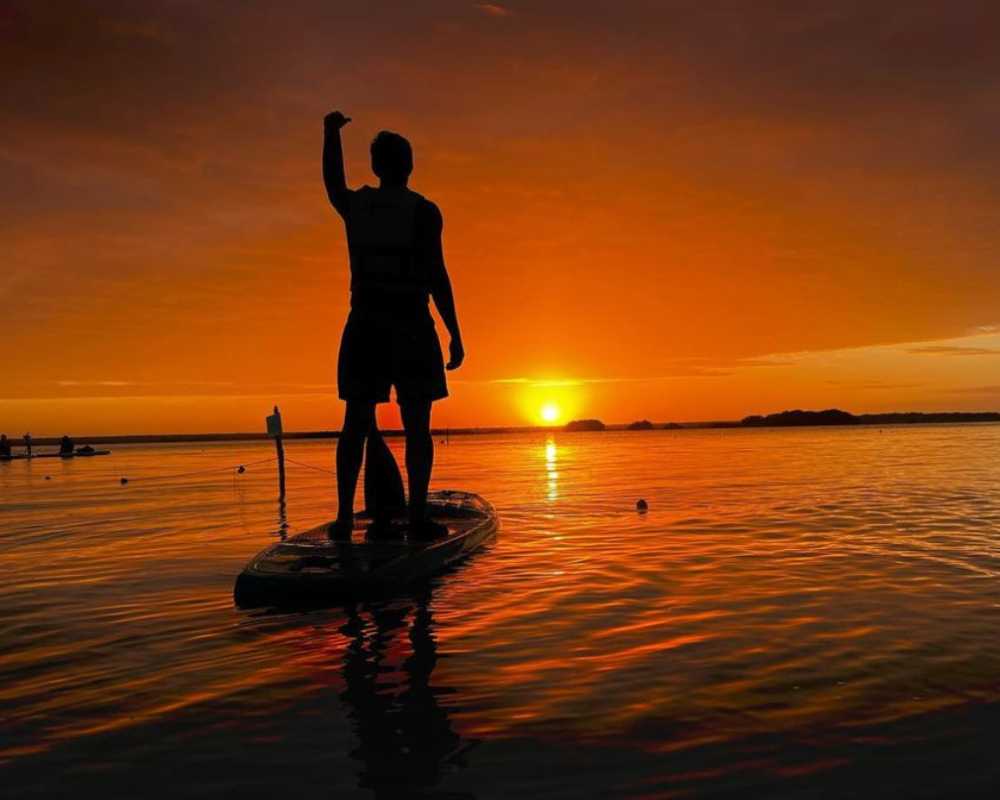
{"points": [[673, 210]]}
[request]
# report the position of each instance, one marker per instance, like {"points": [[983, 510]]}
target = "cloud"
{"points": [[95, 383], [148, 30], [784, 360], [684, 372], [694, 367], [117, 383], [541, 381], [991, 389], [494, 10], [873, 385], [953, 350]]}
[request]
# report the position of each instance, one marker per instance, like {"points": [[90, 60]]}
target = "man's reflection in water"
{"points": [[406, 740]]}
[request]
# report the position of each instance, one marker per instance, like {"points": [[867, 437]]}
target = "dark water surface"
{"points": [[802, 613]]}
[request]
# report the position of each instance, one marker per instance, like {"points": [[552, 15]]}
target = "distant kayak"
{"points": [[87, 452], [81, 453], [310, 569]]}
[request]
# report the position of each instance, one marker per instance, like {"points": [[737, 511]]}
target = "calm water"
{"points": [[800, 613]]}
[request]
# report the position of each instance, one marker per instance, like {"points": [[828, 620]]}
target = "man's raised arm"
{"points": [[333, 161]]}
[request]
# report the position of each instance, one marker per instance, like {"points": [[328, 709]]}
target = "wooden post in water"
{"points": [[274, 431]]}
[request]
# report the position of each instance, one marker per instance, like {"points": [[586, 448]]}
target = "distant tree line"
{"points": [[831, 416], [834, 416], [585, 425]]}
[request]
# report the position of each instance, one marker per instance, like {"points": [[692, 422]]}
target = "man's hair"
{"points": [[392, 157]]}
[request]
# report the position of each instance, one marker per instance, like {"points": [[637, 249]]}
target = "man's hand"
{"points": [[456, 353], [335, 120]]}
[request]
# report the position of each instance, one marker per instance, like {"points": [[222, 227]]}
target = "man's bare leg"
{"points": [[419, 460], [358, 419], [419, 456]]}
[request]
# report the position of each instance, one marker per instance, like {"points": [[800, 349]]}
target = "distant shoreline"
{"points": [[785, 419]]}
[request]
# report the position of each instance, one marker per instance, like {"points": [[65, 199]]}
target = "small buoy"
{"points": [[241, 470], [124, 480], [641, 506]]}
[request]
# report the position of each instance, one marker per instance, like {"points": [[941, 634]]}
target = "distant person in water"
{"points": [[397, 265], [4, 446], [66, 446], [27, 444]]}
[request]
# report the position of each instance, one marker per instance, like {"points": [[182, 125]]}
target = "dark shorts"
{"points": [[378, 351]]}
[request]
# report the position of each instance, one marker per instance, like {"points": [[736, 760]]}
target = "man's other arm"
{"points": [[440, 285]]}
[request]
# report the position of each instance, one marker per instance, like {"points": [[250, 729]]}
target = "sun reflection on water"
{"points": [[551, 471]]}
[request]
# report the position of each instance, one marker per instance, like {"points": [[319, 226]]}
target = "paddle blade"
{"points": [[384, 495]]}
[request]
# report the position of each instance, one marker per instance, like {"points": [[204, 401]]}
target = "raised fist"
{"points": [[336, 120]]}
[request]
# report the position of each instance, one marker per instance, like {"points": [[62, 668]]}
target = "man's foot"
{"points": [[340, 531], [427, 530]]}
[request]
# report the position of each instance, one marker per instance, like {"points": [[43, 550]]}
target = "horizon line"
{"points": [[138, 438]]}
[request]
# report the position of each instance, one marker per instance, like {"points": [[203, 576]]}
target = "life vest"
{"points": [[381, 233]]}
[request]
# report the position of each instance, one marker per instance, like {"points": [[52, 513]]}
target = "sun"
{"points": [[549, 402], [550, 412]]}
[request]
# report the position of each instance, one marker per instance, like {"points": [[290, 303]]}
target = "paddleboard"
{"points": [[310, 569]]}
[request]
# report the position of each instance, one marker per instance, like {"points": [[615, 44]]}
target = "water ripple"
{"points": [[810, 587]]}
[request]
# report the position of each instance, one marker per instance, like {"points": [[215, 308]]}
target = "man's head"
{"points": [[392, 158]]}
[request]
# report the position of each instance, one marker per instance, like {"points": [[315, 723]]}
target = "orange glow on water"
{"points": [[762, 570]]}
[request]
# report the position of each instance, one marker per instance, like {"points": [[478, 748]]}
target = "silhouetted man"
{"points": [[397, 265]]}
